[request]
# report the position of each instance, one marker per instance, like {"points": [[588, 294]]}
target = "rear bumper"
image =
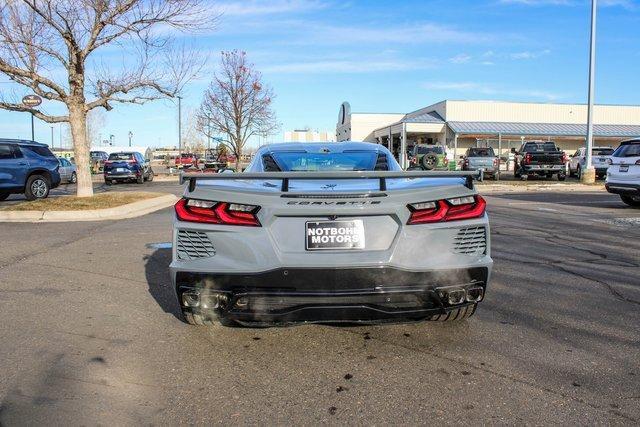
{"points": [[620, 188], [545, 169], [302, 295]]}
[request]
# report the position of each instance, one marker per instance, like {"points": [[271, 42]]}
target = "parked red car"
{"points": [[187, 160]]}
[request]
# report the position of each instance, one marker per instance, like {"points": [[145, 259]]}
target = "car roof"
{"points": [[311, 147], [22, 142]]}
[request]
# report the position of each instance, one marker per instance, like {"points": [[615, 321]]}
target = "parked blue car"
{"points": [[27, 167]]}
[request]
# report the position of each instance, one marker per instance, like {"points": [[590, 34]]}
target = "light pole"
{"points": [[130, 136], [52, 137], [179, 125], [589, 174], [111, 137]]}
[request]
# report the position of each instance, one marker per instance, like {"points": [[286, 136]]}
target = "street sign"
{"points": [[32, 100]]}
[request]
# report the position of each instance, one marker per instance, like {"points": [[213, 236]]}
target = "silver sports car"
{"points": [[329, 232]]}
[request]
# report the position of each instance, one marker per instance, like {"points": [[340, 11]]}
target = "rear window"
{"points": [[602, 151], [480, 152], [424, 149], [187, 155], [628, 150], [313, 162], [540, 147], [121, 156], [40, 151]]}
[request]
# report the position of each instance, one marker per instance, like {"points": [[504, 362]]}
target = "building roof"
{"points": [[429, 117], [544, 129]]}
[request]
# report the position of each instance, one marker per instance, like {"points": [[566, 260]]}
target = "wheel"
{"points": [[73, 179], [197, 319], [571, 174], [140, 179], [579, 173], [633, 201], [456, 315], [37, 187], [429, 161], [516, 173], [108, 182], [150, 176], [3, 196], [562, 177]]}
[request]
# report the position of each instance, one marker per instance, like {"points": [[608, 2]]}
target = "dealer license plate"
{"points": [[323, 235], [624, 168], [121, 170]]}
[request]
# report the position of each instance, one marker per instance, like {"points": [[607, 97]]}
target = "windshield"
{"points": [[602, 151], [314, 162], [628, 150], [121, 156], [480, 152], [424, 149]]}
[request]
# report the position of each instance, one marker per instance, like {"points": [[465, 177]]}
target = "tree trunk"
{"points": [[81, 149]]}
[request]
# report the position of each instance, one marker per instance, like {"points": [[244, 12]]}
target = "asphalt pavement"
{"points": [[91, 334]]}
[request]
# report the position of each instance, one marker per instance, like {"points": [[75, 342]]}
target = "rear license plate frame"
{"points": [[341, 235]]}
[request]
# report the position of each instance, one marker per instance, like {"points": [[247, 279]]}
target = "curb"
{"points": [[520, 188], [130, 210]]}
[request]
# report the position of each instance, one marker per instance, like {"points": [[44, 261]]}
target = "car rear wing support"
{"points": [[381, 176]]}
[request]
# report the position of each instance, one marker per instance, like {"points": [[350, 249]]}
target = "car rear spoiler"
{"points": [[382, 176]]}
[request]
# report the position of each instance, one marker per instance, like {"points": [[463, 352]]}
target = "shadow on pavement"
{"points": [[159, 281]]}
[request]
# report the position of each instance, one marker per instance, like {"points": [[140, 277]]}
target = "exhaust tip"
{"points": [[456, 296], [191, 299], [475, 294]]}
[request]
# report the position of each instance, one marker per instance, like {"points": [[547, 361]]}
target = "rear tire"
{"points": [[3, 196], [73, 179], [196, 319], [150, 176], [37, 187], [108, 182], [633, 201], [562, 177], [579, 173], [140, 179], [456, 315]]}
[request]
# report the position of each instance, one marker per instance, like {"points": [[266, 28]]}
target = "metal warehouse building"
{"points": [[502, 125]]}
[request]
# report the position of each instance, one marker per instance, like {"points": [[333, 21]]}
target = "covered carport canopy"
{"points": [[423, 123], [543, 129]]}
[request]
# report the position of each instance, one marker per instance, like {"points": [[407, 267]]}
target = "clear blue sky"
{"points": [[385, 56]]}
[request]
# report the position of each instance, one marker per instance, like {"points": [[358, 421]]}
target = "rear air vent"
{"points": [[194, 245], [333, 196], [471, 241]]}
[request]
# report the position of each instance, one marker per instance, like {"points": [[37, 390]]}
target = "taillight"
{"points": [[638, 162], [455, 209], [609, 161], [527, 158], [107, 163], [495, 162], [204, 211], [564, 157]]}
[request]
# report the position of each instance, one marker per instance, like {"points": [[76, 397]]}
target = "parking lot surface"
{"points": [[91, 334]]}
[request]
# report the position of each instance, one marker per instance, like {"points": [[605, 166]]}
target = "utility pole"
{"points": [[589, 174], [33, 138], [179, 126], [130, 136], [52, 137]]}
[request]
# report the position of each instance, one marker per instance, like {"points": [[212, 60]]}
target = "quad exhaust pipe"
{"points": [[204, 299], [455, 295]]}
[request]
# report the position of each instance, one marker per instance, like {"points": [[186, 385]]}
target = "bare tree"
{"points": [[237, 104], [56, 49]]}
